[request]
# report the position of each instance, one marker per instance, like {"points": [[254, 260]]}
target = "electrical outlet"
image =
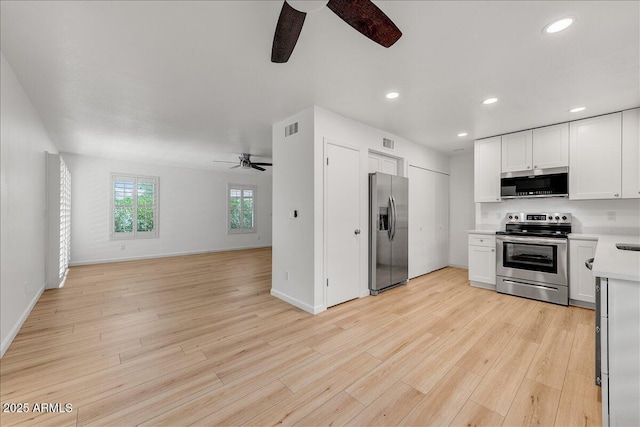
{"points": [[286, 275], [498, 215], [611, 216], [484, 215], [122, 247]]}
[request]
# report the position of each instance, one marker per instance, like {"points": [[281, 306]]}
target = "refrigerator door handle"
{"points": [[395, 216], [390, 225]]}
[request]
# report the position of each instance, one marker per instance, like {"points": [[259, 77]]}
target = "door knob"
{"points": [[356, 231]]}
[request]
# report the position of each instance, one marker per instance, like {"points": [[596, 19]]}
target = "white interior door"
{"points": [[343, 223], [428, 221]]}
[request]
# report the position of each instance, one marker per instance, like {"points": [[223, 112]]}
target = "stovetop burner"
{"points": [[556, 225]]}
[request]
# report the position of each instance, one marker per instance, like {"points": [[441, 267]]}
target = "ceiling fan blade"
{"points": [[368, 19], [233, 167], [262, 164], [222, 161], [253, 165], [287, 33]]}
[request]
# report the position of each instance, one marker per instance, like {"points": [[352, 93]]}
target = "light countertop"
{"points": [[489, 232], [615, 263]]}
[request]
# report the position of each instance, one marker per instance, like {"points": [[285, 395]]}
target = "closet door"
{"points": [[428, 221]]}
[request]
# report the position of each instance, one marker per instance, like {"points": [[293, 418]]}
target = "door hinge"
{"points": [[327, 161], [327, 282]]}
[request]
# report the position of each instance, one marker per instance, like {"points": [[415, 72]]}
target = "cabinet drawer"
{"points": [[482, 240]]}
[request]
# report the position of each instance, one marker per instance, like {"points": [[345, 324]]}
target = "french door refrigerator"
{"points": [[388, 231]]}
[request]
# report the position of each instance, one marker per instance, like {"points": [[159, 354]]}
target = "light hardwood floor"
{"points": [[200, 340]]}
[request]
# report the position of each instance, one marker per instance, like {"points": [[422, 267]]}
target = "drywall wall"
{"points": [[462, 209], [298, 183], [24, 141], [192, 215], [293, 190]]}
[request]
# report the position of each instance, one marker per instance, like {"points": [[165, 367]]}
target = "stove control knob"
{"points": [[516, 216], [557, 218], [550, 218], [564, 217], [510, 217]]}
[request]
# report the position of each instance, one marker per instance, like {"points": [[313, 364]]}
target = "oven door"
{"points": [[537, 259]]}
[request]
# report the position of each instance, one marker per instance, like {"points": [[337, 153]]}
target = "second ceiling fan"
{"points": [[362, 15]]}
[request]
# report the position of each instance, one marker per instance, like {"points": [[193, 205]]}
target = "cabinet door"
{"points": [[551, 146], [482, 264], [486, 174], [631, 154], [516, 151], [582, 284], [595, 157]]}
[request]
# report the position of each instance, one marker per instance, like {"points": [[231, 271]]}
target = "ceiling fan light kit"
{"points": [[362, 15]]}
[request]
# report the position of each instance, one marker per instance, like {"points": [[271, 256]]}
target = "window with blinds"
{"points": [[134, 207], [65, 219], [241, 208]]}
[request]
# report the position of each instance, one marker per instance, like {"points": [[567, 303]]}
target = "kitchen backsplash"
{"points": [[589, 216]]}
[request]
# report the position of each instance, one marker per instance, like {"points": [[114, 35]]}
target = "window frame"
{"points": [[241, 187], [135, 234]]}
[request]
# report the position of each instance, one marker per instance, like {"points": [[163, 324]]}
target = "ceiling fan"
{"points": [[246, 163], [362, 15]]}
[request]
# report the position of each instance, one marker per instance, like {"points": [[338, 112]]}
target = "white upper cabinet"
{"points": [[551, 146], [516, 151], [487, 165], [631, 154], [595, 157], [541, 148]]}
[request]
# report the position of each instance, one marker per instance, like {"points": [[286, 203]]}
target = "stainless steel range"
{"points": [[532, 256]]}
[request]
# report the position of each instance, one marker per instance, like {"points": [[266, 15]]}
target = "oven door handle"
{"points": [[517, 239]]}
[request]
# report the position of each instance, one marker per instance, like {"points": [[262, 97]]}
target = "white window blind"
{"points": [[65, 219], [134, 206], [241, 208]]}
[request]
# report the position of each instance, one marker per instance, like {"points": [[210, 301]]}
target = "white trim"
{"points": [[464, 267], [297, 303], [242, 187], [481, 285], [16, 328], [166, 255], [156, 208]]}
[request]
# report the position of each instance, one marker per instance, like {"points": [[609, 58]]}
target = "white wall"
{"points": [[298, 245], [293, 189], [589, 216], [23, 141], [462, 210], [191, 219]]}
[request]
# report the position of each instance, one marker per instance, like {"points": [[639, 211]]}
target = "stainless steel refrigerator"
{"points": [[388, 231]]}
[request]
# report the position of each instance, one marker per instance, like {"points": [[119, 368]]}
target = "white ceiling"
{"points": [[185, 83]]}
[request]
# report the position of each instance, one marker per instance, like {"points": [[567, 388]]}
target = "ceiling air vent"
{"points": [[387, 143], [291, 129]]}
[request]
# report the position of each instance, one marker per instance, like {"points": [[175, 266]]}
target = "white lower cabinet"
{"points": [[482, 260], [582, 284]]}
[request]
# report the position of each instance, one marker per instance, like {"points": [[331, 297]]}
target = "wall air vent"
{"points": [[291, 129], [387, 143]]}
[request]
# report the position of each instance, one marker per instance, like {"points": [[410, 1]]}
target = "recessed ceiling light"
{"points": [[461, 134], [557, 26], [392, 95], [577, 109], [490, 101]]}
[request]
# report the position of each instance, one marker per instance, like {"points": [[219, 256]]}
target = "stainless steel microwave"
{"points": [[553, 182]]}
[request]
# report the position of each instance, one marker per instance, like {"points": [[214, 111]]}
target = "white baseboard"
{"points": [[16, 328], [483, 285], [297, 303], [465, 267], [166, 255]]}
